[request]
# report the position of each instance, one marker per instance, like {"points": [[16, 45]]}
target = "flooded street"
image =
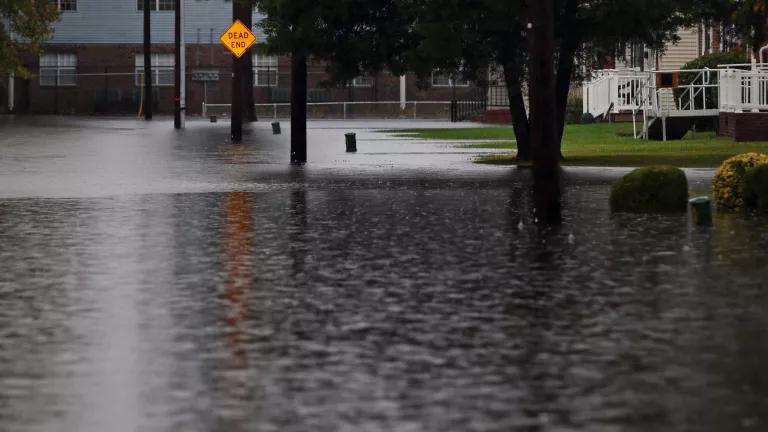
{"points": [[153, 280]]}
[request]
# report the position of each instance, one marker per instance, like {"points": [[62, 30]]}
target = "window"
{"points": [[445, 79], [264, 71], [58, 70], [162, 69], [362, 81], [155, 5], [66, 5]]}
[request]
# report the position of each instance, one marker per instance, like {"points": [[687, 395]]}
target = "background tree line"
{"points": [[466, 37]]}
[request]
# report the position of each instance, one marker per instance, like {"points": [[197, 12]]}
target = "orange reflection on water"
{"points": [[239, 231]]}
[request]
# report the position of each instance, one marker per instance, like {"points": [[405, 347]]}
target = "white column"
{"points": [[402, 92], [183, 66], [11, 92]]}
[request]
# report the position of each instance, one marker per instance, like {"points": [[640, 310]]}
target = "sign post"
{"points": [[238, 39]]}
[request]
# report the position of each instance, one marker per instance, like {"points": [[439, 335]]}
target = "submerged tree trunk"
{"points": [[298, 107], [541, 90], [520, 124]]}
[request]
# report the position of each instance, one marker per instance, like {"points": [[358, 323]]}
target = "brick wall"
{"points": [[744, 126], [106, 83]]}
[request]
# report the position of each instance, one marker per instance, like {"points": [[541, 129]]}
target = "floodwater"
{"points": [[160, 281]]}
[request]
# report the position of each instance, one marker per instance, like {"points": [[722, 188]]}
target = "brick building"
{"points": [[93, 64]]}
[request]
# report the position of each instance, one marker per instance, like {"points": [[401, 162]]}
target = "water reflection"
{"points": [[238, 271], [377, 308]]}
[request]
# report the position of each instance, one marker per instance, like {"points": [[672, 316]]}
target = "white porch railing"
{"points": [[598, 95], [744, 90], [732, 88], [628, 91]]}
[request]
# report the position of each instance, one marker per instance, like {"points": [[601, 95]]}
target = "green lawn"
{"points": [[481, 133], [606, 145]]}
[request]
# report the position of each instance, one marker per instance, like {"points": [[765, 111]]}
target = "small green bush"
{"points": [[754, 188], [728, 180], [574, 109], [653, 189]]}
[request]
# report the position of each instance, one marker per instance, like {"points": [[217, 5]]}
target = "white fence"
{"points": [[347, 110]]}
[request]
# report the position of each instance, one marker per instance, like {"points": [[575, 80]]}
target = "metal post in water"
{"points": [[351, 142], [701, 211]]}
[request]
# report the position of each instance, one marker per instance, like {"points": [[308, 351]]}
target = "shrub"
{"points": [[728, 180], [574, 110], [754, 188], [653, 189]]}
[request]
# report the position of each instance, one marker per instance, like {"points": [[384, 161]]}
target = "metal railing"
{"points": [[498, 96], [346, 110], [472, 105]]}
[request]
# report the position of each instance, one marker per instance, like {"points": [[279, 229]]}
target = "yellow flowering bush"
{"points": [[727, 184]]}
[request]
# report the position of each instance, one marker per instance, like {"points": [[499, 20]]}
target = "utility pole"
{"points": [[298, 107], [183, 55], [147, 63], [546, 188], [180, 66], [238, 64]]}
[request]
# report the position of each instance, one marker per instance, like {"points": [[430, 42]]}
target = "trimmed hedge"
{"points": [[653, 189], [754, 188], [729, 178]]}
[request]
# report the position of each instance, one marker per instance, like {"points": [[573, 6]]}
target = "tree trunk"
{"points": [[250, 108], [517, 111], [569, 43], [541, 91], [298, 108]]}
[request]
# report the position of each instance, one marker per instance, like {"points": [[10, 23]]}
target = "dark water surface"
{"points": [[383, 300]]}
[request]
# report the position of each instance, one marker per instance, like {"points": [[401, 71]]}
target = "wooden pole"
{"points": [[238, 8], [182, 65], [147, 62], [298, 108], [177, 66]]}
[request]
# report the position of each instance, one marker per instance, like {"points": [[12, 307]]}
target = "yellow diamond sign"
{"points": [[238, 38]]}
